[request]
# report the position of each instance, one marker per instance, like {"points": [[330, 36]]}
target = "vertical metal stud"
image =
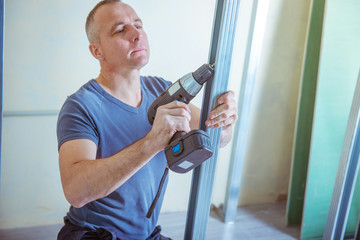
{"points": [[203, 176], [346, 175], [252, 58], [2, 14]]}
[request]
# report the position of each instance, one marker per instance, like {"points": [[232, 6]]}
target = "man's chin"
{"points": [[142, 63]]}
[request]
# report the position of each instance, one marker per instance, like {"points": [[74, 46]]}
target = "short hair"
{"points": [[92, 31]]}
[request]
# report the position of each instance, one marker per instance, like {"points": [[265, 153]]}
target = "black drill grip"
{"points": [[177, 135]]}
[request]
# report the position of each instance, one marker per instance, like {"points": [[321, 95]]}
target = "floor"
{"points": [[265, 221]]}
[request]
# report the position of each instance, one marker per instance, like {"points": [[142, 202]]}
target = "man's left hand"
{"points": [[225, 113]]}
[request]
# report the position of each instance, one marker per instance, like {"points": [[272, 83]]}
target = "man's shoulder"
{"points": [[87, 95], [88, 91]]}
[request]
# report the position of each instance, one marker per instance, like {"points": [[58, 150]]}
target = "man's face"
{"points": [[123, 42]]}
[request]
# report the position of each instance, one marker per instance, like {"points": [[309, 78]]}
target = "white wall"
{"points": [[46, 59], [268, 159]]}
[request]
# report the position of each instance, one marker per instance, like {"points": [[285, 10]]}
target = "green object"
{"points": [[346, 174], [305, 115], [338, 70]]}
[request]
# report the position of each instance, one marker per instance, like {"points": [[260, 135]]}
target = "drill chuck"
{"points": [[203, 73]]}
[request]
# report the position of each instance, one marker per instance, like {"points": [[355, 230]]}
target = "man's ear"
{"points": [[96, 51]]}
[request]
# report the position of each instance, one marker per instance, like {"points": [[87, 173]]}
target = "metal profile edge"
{"points": [[253, 52], [30, 113], [203, 176], [2, 26]]}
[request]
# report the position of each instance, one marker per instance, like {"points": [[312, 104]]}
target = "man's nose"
{"points": [[135, 34]]}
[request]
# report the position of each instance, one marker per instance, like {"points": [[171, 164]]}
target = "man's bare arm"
{"points": [[85, 179]]}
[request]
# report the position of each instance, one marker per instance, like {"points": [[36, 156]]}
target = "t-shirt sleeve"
{"points": [[75, 122]]}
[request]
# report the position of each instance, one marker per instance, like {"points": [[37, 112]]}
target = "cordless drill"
{"points": [[185, 150]]}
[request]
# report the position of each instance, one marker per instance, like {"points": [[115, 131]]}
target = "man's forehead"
{"points": [[116, 12]]}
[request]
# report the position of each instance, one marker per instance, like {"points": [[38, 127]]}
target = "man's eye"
{"points": [[139, 27], [120, 31]]}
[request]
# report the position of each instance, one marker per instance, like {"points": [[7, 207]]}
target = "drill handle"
{"points": [[177, 135]]}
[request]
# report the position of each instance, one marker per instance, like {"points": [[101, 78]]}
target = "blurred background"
{"points": [[46, 58]]}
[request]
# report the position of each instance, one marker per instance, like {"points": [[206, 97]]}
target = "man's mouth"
{"points": [[139, 49]]}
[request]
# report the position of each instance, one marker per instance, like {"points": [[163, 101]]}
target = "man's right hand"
{"points": [[169, 119]]}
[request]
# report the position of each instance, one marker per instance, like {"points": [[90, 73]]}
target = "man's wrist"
{"points": [[226, 134]]}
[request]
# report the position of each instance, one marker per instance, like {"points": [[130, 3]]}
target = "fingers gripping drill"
{"points": [[185, 150]]}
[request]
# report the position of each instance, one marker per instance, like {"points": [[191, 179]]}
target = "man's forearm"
{"points": [[88, 180]]}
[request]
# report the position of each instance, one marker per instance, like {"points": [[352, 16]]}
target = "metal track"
{"points": [[252, 58], [2, 14], [203, 176]]}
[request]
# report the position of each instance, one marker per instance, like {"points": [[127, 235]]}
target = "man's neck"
{"points": [[124, 86]]}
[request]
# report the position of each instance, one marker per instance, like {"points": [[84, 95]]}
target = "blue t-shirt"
{"points": [[91, 113]]}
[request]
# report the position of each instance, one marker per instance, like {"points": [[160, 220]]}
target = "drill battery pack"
{"points": [[188, 151]]}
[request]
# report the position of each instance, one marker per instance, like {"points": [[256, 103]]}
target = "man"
{"points": [[111, 159]]}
